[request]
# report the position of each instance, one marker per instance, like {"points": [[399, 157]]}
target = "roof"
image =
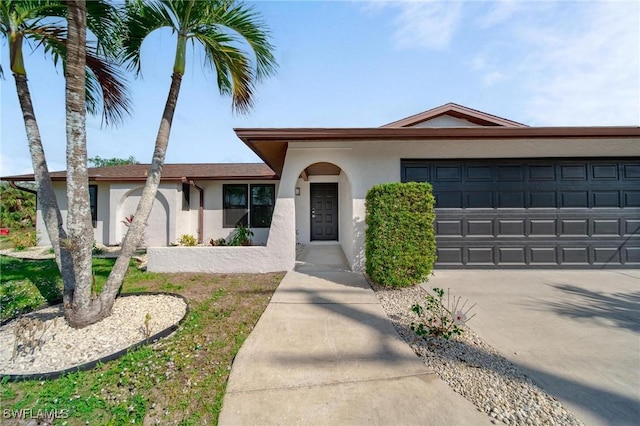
{"points": [[271, 144], [170, 172], [458, 111]]}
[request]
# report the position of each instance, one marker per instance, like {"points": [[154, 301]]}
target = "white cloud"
{"points": [[500, 12], [586, 71], [424, 24]]}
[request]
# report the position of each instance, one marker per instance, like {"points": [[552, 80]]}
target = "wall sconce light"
{"points": [[297, 190]]}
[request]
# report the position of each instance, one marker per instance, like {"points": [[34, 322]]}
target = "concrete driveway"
{"points": [[576, 333]]}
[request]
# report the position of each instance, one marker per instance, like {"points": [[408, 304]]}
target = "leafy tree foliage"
{"points": [[17, 208], [98, 161]]}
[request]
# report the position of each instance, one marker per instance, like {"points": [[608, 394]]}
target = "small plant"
{"points": [[96, 250], [187, 240], [128, 220], [28, 333], [218, 242], [148, 326], [24, 240], [439, 319], [241, 237]]}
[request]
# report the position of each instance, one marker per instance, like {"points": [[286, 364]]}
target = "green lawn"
{"points": [[179, 380]]}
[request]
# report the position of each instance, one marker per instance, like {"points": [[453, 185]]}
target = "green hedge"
{"points": [[400, 239]]}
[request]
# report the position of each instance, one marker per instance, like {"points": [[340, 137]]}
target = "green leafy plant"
{"points": [[148, 326], [17, 208], [218, 242], [97, 250], [241, 236], [441, 319], [400, 240], [24, 240], [187, 240]]}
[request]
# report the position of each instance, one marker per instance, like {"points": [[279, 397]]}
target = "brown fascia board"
{"points": [[252, 135], [455, 110], [257, 138]]}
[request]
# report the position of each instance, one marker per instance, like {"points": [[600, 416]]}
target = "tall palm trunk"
{"points": [[82, 311], [136, 229], [46, 195]]}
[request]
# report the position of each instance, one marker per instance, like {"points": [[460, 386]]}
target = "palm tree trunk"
{"points": [[82, 311], [46, 195], [136, 229]]}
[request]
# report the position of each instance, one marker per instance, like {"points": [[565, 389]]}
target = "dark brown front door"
{"points": [[324, 211]]}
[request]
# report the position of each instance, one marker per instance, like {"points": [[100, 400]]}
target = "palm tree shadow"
{"points": [[621, 309]]}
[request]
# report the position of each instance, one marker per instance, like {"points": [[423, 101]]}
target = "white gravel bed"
{"points": [[474, 369], [65, 347]]}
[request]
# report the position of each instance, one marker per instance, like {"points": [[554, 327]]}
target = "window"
{"points": [[235, 205], [93, 204], [186, 196], [239, 209], [263, 198]]}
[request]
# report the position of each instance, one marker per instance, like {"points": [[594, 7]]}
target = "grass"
{"points": [[178, 380]]}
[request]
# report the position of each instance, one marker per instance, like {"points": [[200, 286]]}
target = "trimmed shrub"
{"points": [[400, 239]]}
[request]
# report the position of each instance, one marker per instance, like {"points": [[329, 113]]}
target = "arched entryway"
{"points": [[156, 232], [324, 206]]}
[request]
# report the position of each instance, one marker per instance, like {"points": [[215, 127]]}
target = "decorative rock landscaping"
{"points": [[59, 347], [474, 369]]}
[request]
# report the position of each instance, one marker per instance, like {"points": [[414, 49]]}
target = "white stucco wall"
{"points": [[446, 121], [101, 230], [213, 212], [366, 163]]}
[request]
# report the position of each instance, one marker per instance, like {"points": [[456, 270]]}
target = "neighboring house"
{"points": [[508, 195]]}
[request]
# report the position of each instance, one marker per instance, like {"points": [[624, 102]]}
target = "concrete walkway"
{"points": [[576, 333], [324, 352]]}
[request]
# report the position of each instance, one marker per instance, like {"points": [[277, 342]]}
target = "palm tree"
{"points": [[43, 22], [219, 27]]}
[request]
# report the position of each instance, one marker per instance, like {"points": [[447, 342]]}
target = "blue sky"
{"points": [[364, 64]]}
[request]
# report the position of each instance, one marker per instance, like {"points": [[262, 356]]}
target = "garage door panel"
{"points": [[512, 255], [631, 198], [510, 228], [481, 227], [604, 172], [543, 213], [606, 228], [573, 172], [543, 256], [632, 255], [480, 256], [631, 171], [631, 227], [573, 227], [606, 198]]}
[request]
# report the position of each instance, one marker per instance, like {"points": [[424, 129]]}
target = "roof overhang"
{"points": [[271, 144]]}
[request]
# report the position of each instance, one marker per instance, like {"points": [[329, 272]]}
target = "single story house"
{"points": [[507, 195]]}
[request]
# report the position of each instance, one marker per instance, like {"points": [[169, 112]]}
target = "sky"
{"points": [[363, 64]]}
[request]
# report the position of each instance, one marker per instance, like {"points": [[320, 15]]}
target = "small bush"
{"points": [[441, 319], [24, 240], [218, 242], [400, 239], [188, 240], [17, 297], [241, 237]]}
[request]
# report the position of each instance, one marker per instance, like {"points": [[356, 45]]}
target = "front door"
{"points": [[324, 211]]}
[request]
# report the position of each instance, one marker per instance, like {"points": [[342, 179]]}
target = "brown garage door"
{"points": [[534, 212]]}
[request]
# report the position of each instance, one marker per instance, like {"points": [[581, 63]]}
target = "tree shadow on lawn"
{"points": [[43, 274]]}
